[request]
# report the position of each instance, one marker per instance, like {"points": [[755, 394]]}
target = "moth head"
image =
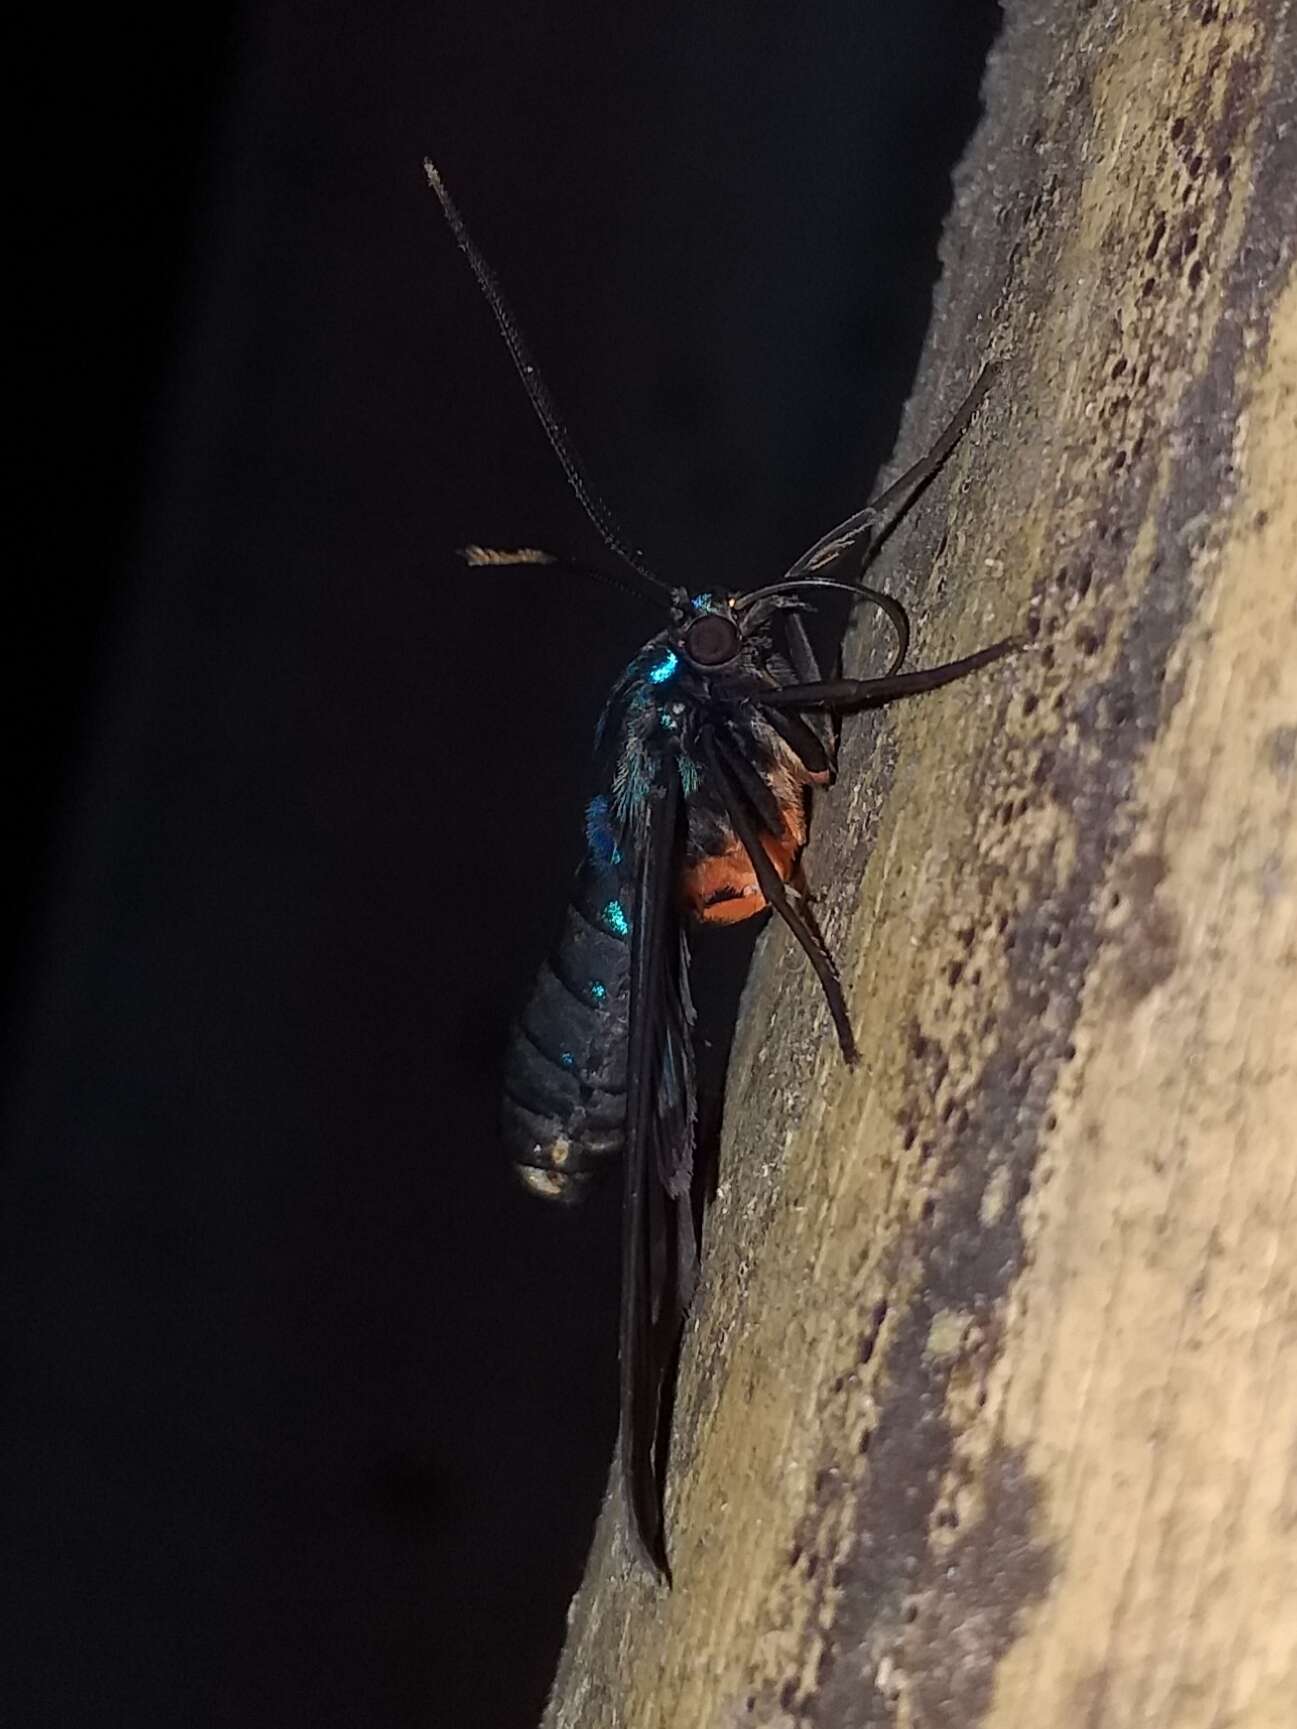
{"points": [[708, 632], [712, 641]]}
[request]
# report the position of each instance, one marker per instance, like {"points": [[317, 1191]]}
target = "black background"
{"points": [[306, 1410]]}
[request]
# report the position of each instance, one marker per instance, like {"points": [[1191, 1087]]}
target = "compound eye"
{"points": [[711, 640]]}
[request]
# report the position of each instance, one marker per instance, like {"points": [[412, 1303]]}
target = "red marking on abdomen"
{"points": [[722, 889]]}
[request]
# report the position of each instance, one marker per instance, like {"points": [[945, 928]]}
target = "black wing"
{"points": [[659, 1257]]}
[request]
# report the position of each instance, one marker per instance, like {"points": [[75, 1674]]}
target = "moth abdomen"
{"points": [[564, 1114]]}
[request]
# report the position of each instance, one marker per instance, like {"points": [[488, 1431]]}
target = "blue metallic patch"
{"points": [[598, 990], [567, 1059], [662, 670], [615, 919], [599, 833]]}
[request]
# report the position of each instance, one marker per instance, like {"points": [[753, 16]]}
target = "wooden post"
{"points": [[988, 1406]]}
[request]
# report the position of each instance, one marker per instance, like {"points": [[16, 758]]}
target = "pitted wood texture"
{"points": [[987, 1410]]}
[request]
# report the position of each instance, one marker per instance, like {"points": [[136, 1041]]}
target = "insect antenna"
{"points": [[480, 557], [541, 400]]}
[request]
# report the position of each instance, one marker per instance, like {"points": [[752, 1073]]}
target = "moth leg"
{"points": [[807, 668], [920, 472], [799, 887], [751, 785], [834, 546], [806, 743], [825, 727], [857, 692], [896, 615], [772, 887]]}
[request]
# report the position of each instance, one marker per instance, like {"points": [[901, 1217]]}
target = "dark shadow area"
{"points": [[114, 225], [307, 1411]]}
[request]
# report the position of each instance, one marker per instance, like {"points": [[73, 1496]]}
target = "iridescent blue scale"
{"points": [[599, 836]]}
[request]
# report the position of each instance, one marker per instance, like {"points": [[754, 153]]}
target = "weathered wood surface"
{"points": [[988, 1410]]}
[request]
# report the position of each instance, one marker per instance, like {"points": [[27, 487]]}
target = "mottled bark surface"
{"points": [[987, 1409]]}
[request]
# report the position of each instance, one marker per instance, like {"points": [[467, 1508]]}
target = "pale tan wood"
{"points": [[988, 1411]]}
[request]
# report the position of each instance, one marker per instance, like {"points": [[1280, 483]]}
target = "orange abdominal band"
{"points": [[722, 889]]}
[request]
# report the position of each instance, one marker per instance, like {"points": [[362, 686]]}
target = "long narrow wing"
{"points": [[658, 1250]]}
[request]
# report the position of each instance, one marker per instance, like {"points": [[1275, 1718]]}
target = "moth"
{"points": [[708, 749]]}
